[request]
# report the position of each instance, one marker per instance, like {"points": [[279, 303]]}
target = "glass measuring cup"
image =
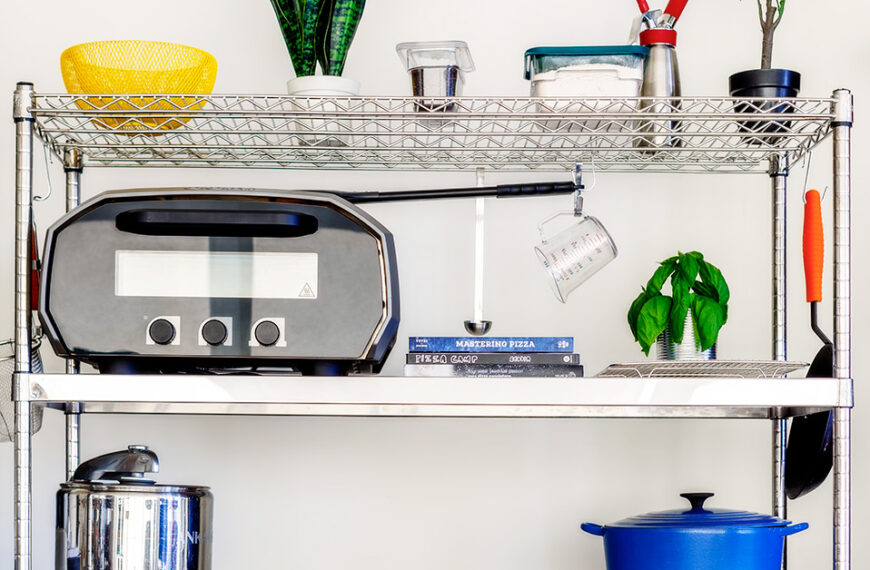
{"points": [[574, 254]]}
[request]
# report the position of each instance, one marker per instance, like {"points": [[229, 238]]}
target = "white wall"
{"points": [[326, 493]]}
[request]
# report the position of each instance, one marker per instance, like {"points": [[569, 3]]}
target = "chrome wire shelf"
{"points": [[404, 133], [702, 369]]}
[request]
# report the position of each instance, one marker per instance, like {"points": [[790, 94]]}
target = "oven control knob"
{"points": [[214, 332], [161, 331], [267, 333]]}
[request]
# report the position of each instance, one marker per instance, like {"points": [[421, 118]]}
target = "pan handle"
{"points": [[813, 246], [794, 529]]}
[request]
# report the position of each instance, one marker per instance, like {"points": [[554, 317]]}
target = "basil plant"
{"points": [[696, 286]]}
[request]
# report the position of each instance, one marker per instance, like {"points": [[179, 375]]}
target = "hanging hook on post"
{"points": [[47, 175], [806, 163], [578, 189]]}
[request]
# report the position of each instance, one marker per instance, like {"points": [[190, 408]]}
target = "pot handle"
{"points": [[134, 461], [595, 529], [794, 529]]}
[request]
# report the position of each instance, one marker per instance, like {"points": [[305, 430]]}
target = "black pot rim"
{"points": [[765, 78]]}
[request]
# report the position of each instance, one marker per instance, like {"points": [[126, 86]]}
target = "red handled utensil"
{"points": [[809, 454], [671, 15]]}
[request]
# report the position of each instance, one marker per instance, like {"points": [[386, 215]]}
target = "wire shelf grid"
{"points": [[404, 133], [702, 369]]}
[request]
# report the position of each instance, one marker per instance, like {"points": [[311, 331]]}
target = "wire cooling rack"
{"points": [[703, 369]]}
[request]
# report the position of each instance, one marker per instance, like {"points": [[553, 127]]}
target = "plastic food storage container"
{"points": [[585, 71], [437, 69]]}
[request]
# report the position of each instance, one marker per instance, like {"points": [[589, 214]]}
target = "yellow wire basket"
{"points": [[135, 67]]}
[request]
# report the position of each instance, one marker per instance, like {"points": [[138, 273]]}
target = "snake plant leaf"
{"points": [[287, 12], [310, 12], [298, 22], [333, 42], [652, 320], [324, 19]]}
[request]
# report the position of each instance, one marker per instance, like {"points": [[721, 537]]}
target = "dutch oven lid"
{"points": [[698, 516]]}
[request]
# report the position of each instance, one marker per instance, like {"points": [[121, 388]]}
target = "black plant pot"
{"points": [[778, 83]]}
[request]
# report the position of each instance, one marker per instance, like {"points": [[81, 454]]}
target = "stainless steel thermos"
{"points": [[109, 517], [661, 76]]}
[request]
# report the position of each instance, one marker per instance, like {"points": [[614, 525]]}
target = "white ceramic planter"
{"points": [[322, 86], [322, 131]]}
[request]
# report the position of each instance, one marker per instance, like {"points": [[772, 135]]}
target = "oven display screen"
{"points": [[240, 275]]}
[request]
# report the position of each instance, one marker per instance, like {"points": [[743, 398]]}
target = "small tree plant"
{"points": [[769, 15]]}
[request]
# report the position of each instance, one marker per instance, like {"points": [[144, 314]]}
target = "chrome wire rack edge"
{"points": [[718, 134]]}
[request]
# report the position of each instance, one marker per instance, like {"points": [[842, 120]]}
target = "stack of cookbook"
{"points": [[492, 356]]}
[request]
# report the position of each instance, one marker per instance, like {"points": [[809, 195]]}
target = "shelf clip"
{"points": [[578, 189]]}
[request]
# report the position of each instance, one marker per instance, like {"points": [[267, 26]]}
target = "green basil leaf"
{"points": [[679, 306], [652, 320], [702, 288], [689, 266], [708, 320], [711, 275], [634, 311], [657, 281]]}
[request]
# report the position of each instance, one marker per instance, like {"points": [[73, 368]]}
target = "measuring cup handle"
{"points": [[549, 219]]}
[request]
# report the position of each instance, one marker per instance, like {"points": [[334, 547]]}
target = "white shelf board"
{"points": [[438, 397]]}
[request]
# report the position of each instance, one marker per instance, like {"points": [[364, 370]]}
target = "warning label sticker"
{"points": [[307, 292]]}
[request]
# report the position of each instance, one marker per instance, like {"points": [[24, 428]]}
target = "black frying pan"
{"points": [[809, 454]]}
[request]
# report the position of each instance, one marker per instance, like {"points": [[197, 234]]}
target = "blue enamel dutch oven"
{"points": [[695, 539]]}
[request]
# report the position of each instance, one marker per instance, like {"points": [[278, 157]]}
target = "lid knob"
{"points": [[697, 500]]}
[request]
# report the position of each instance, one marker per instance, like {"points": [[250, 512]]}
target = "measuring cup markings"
{"points": [[575, 254]]}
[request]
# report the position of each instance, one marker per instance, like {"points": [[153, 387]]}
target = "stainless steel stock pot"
{"points": [[109, 517]]}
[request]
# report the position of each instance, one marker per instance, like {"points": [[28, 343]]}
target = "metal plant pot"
{"points": [[689, 349], [764, 83]]}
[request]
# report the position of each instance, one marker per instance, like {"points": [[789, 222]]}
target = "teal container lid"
{"points": [[582, 51]]}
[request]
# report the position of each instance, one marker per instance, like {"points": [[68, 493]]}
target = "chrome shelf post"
{"points": [[842, 127], [72, 167], [779, 170], [24, 120]]}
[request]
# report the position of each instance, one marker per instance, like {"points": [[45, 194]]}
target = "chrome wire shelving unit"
{"points": [[406, 133], [712, 135]]}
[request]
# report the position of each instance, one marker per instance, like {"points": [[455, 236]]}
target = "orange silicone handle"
{"points": [[814, 245]]}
